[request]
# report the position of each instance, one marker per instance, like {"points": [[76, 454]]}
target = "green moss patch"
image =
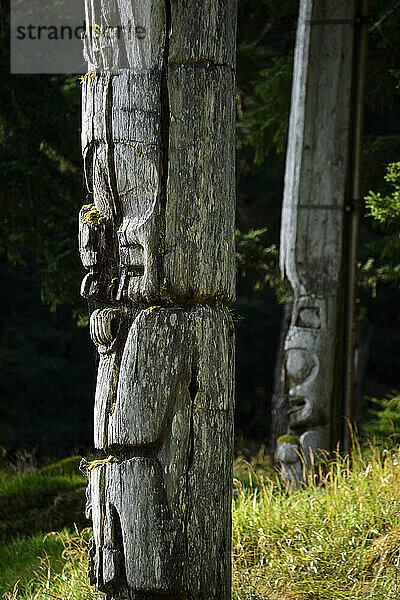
{"points": [[288, 439], [43, 500]]}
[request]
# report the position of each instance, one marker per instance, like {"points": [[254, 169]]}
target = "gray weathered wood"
{"points": [[313, 217], [173, 419], [203, 33], [279, 399], [199, 244], [158, 147]]}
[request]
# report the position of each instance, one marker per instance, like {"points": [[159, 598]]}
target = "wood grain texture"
{"points": [[214, 41], [313, 216], [317, 160], [157, 241], [200, 210], [159, 150], [187, 345], [174, 418]]}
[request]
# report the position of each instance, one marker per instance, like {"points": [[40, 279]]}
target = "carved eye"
{"points": [[309, 317], [299, 364]]}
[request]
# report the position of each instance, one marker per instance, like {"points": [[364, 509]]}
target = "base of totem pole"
{"points": [[297, 454]]}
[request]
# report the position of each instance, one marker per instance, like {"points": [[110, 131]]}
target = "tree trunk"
{"points": [[158, 244], [317, 198]]}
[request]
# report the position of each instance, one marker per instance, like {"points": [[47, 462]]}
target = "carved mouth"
{"points": [[297, 404], [136, 271], [127, 272]]}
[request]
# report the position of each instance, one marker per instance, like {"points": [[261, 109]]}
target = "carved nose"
{"points": [[105, 325]]}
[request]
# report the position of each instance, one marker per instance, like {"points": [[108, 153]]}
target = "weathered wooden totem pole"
{"points": [[158, 244], [320, 196]]}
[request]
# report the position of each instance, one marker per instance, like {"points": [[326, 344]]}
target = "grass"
{"points": [[338, 538], [37, 501], [22, 557], [61, 575], [31, 504]]}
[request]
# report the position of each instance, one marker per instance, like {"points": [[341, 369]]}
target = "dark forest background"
{"points": [[47, 372]]}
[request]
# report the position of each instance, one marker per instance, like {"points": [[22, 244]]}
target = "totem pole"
{"points": [[158, 243], [319, 198]]}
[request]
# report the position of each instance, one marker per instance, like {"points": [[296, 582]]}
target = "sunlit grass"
{"points": [[338, 538], [21, 557]]}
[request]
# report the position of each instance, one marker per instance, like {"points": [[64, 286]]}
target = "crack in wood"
{"points": [[193, 389], [165, 125], [88, 166], [98, 563], [208, 65], [111, 171]]}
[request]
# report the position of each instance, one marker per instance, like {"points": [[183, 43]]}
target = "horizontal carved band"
{"points": [[315, 206], [365, 20]]}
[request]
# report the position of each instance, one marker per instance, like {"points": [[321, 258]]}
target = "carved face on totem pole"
{"points": [[307, 370], [145, 237], [120, 240], [168, 222]]}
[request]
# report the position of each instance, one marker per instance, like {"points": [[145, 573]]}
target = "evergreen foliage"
{"points": [[383, 429], [385, 210], [258, 262]]}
